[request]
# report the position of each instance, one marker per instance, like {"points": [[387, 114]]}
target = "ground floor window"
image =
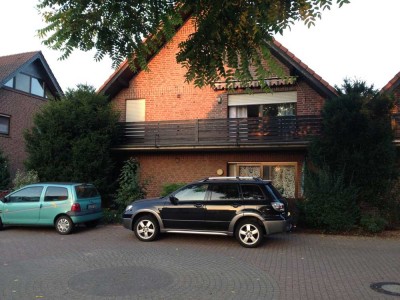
{"points": [[4, 124], [282, 174]]}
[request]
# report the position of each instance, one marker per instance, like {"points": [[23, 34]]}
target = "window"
{"points": [[29, 84], [282, 174], [252, 192], [23, 82], [262, 105], [225, 191], [37, 87], [192, 193], [55, 193], [10, 83], [30, 194], [4, 124], [135, 110], [86, 191]]}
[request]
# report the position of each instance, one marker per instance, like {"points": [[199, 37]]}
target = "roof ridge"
{"points": [[391, 83]]}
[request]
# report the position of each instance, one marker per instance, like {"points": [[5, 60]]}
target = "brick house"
{"points": [[393, 88], [180, 133], [26, 83]]}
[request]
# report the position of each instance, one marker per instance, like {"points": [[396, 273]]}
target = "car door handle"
{"points": [[198, 205], [235, 205]]}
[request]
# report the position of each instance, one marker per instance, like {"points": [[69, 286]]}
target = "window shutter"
{"points": [[135, 110], [262, 98]]}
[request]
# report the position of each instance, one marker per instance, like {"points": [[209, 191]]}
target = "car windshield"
{"points": [[86, 191]]}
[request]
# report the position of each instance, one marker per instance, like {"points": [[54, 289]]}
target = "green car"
{"points": [[61, 205]]}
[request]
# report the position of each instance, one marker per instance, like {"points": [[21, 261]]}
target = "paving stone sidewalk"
{"points": [[108, 262]]}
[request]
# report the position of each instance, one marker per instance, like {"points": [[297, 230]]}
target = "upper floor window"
{"points": [[28, 84], [277, 104], [4, 124]]}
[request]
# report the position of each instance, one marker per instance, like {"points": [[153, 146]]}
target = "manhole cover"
{"points": [[389, 288], [120, 281]]}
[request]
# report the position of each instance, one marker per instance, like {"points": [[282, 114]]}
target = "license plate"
{"points": [[91, 206]]}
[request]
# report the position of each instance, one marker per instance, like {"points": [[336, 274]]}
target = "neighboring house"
{"points": [[181, 133], [26, 83], [393, 88]]}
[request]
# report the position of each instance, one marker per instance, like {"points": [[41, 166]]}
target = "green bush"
{"points": [[111, 216], [4, 172], [357, 140], [329, 203], [72, 137], [390, 207], [130, 187], [24, 178], [168, 188], [373, 223]]}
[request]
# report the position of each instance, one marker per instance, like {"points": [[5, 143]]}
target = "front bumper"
{"points": [[127, 223]]}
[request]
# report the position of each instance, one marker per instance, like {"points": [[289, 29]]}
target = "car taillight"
{"points": [[76, 207], [278, 206]]}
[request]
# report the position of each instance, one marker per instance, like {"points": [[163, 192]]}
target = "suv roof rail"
{"points": [[233, 178]]}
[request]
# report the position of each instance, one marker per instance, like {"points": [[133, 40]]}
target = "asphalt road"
{"points": [[108, 262]]}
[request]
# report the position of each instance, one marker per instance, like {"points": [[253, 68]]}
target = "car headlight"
{"points": [[129, 207]]}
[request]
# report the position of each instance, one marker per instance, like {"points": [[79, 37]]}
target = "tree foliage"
{"points": [[330, 202], [130, 187], [4, 172], [357, 140], [71, 139], [230, 35]]}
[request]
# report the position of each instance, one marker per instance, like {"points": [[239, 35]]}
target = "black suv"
{"points": [[246, 207]]}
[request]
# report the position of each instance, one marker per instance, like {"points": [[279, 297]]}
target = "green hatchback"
{"points": [[61, 205]]}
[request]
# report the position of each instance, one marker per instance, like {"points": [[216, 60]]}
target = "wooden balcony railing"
{"points": [[220, 132]]}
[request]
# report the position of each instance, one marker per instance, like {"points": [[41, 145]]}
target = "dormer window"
{"points": [[28, 84]]}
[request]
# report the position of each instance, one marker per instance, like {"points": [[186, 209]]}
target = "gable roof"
{"points": [[392, 84], [121, 77], [11, 65]]}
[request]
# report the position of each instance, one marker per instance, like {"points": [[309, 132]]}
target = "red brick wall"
{"points": [[309, 102], [21, 107], [162, 168], [168, 97]]}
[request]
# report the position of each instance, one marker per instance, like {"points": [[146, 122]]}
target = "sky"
{"points": [[360, 40]]}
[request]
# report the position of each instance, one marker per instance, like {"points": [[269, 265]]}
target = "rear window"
{"points": [[274, 191], [86, 191]]}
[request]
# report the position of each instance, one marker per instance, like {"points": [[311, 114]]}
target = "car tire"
{"points": [[249, 233], [146, 228], [92, 224], [64, 225]]}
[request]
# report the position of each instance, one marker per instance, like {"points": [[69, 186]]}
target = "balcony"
{"points": [[267, 132]]}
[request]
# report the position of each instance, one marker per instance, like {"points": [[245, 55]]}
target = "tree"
{"points": [[357, 139], [355, 153], [71, 139], [230, 35]]}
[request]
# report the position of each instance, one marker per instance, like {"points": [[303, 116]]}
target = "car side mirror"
{"points": [[173, 200], [4, 200]]}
